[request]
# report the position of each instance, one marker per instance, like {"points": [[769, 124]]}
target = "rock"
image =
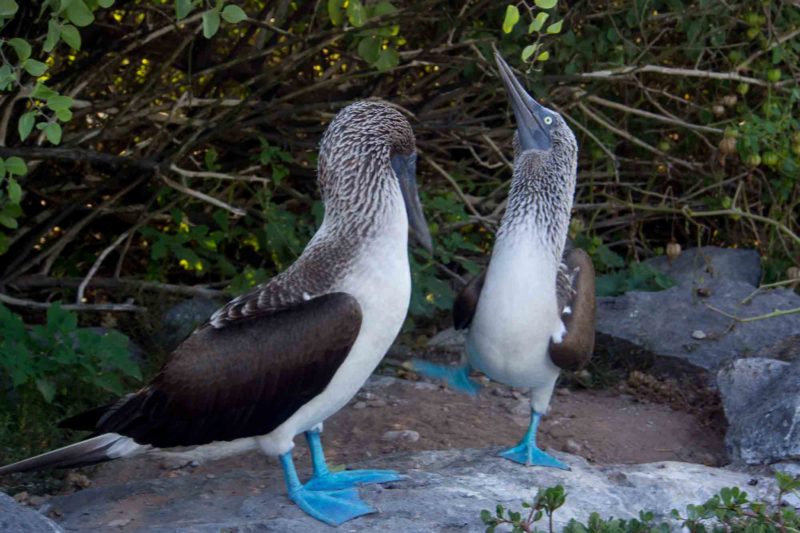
{"points": [[699, 265], [761, 398], [572, 446], [661, 323], [359, 405], [448, 339], [699, 334], [14, 518], [404, 435], [444, 491], [181, 319]]}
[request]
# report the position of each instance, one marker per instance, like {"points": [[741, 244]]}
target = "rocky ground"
{"points": [[654, 437]]}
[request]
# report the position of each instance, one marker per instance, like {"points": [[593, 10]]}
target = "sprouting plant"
{"points": [[533, 52]]}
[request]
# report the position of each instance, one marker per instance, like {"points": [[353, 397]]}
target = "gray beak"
{"points": [[533, 133], [405, 167]]}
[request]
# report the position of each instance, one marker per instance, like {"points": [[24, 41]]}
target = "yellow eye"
{"points": [[548, 120]]}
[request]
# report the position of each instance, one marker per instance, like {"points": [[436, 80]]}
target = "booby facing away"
{"points": [[280, 359], [533, 310]]}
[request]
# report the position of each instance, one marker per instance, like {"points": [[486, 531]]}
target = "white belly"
{"points": [[381, 282], [516, 316]]}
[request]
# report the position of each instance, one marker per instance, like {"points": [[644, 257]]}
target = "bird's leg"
{"points": [[456, 377], [334, 507], [324, 479], [528, 453]]}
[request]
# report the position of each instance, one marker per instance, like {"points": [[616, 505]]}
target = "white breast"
{"points": [[381, 282], [516, 316]]}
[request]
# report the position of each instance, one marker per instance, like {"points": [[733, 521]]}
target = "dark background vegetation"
{"points": [[183, 166]]}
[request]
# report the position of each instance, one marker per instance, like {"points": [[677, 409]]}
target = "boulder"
{"points": [[691, 324], [444, 491], [699, 265], [181, 319], [14, 518], [761, 398]]}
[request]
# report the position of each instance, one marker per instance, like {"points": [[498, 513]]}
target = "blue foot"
{"points": [[351, 478], [531, 456], [528, 453], [334, 507], [457, 378]]}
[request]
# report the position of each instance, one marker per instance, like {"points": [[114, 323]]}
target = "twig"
{"points": [[767, 286], [10, 300], [96, 266], [38, 281], [202, 196], [216, 175], [670, 71], [774, 314], [471, 208]]}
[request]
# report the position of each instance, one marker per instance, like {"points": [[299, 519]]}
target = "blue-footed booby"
{"points": [[280, 359], [533, 310]]}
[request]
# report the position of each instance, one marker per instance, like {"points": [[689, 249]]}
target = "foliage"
{"points": [[534, 52], [49, 370], [729, 511]]}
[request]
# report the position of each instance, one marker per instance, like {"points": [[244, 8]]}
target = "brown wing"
{"points": [[575, 288], [466, 302], [243, 379]]}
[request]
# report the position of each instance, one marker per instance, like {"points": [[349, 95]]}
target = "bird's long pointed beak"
{"points": [[405, 166], [533, 133]]}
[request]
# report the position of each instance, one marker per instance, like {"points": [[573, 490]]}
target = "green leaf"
{"points": [[105, 3], [59, 102], [47, 389], [356, 13], [182, 8], [71, 36], [546, 4], [528, 51], [538, 22], [511, 19], [53, 133], [8, 8], [335, 12], [555, 28], [544, 56], [210, 23], [25, 125], [14, 190], [384, 8], [21, 47], [16, 166], [369, 48], [34, 67], [8, 221], [233, 14], [42, 92], [53, 35], [387, 60], [64, 115], [79, 14]]}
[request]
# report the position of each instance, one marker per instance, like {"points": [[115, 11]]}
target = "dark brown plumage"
{"points": [[242, 379]]}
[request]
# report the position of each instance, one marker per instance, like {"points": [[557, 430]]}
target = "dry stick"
{"points": [[603, 147], [46, 282], [10, 300], [767, 286], [497, 150], [647, 114], [471, 208], [216, 175], [670, 71], [774, 314], [96, 266], [202, 196]]}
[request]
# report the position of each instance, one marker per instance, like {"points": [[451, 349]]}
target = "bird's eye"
{"points": [[548, 120]]}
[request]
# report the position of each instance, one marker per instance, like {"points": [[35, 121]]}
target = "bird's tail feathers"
{"points": [[88, 452]]}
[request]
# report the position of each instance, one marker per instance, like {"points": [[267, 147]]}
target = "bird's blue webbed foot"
{"points": [[528, 453], [324, 479], [334, 507], [456, 377]]}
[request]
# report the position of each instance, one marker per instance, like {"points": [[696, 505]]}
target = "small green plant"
{"points": [[729, 511], [54, 370], [376, 45], [542, 24]]}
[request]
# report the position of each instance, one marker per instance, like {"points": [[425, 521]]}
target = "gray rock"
{"points": [[662, 322], [181, 319], [699, 265], [761, 398], [448, 339], [445, 492], [14, 518]]}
